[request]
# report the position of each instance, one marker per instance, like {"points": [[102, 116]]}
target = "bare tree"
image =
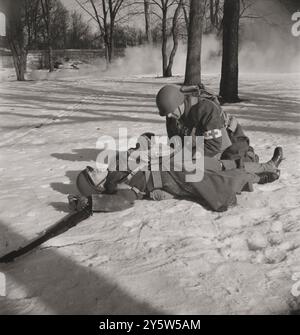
{"points": [[175, 34], [230, 67], [15, 33], [47, 6], [215, 15], [148, 21], [79, 32], [193, 61], [186, 11], [105, 13], [168, 10], [32, 22], [60, 24]]}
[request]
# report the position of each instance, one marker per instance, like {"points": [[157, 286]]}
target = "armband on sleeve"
{"points": [[212, 134]]}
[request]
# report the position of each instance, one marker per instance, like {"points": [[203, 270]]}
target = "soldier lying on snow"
{"points": [[217, 190], [120, 187]]}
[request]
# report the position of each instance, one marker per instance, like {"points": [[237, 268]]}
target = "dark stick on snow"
{"points": [[58, 228]]}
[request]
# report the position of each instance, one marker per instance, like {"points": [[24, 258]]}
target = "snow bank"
{"points": [[158, 257]]}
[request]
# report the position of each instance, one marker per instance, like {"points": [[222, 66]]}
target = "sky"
{"points": [[72, 5], [69, 3]]}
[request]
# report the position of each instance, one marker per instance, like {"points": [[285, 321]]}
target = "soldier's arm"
{"points": [[209, 126], [172, 129], [212, 146]]}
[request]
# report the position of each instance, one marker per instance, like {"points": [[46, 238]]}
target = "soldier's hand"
{"points": [[159, 195]]}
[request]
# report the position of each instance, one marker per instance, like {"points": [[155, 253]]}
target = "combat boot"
{"points": [[268, 177], [277, 156]]}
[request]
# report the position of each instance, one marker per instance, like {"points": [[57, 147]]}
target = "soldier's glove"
{"points": [[79, 202], [159, 195]]}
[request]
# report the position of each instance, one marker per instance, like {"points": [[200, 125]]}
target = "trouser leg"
{"points": [[251, 167], [212, 163]]}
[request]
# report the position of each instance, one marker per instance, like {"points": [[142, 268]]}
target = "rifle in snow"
{"points": [[58, 228]]}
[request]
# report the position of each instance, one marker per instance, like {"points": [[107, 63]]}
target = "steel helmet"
{"points": [[168, 99], [90, 181]]}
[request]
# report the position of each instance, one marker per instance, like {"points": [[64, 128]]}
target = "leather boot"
{"points": [[277, 156], [268, 177]]}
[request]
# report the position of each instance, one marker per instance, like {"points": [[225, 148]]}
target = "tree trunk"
{"points": [[212, 12], [50, 58], [46, 10], [106, 42], [175, 39], [164, 43], [106, 34], [50, 49], [147, 21], [230, 67], [193, 61], [19, 59], [110, 50], [107, 46], [111, 40], [186, 16], [16, 35], [217, 9]]}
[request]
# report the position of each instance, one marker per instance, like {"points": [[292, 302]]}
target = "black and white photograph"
{"points": [[149, 160]]}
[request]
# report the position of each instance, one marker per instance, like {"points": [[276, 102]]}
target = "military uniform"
{"points": [[224, 137], [216, 190], [203, 116], [201, 119], [240, 147]]}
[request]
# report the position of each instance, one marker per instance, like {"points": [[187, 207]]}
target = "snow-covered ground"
{"points": [[158, 257]]}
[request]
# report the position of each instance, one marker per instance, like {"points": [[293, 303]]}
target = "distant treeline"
{"points": [[69, 30], [49, 25]]}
